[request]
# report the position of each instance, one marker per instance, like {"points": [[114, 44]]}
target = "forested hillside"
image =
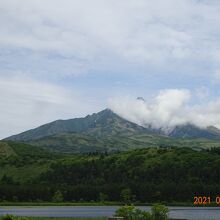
{"points": [[147, 175]]}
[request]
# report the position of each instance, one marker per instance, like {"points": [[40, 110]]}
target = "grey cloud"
{"points": [[142, 32]]}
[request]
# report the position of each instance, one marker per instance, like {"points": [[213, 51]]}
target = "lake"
{"points": [[98, 211]]}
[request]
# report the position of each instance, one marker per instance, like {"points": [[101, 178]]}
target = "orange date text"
{"points": [[206, 200]]}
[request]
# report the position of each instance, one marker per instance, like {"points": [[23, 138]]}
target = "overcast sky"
{"points": [[61, 59]]}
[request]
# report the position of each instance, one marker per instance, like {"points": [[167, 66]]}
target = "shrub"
{"points": [[158, 212], [125, 211], [12, 217], [141, 215], [132, 213], [7, 217]]}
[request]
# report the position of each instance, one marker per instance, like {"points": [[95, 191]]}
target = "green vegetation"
{"points": [[85, 143], [150, 175], [16, 149], [107, 132], [57, 197], [158, 212], [7, 217]]}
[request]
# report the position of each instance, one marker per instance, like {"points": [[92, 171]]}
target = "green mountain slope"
{"points": [[82, 143], [21, 162], [106, 131], [17, 149], [6, 150], [102, 123]]}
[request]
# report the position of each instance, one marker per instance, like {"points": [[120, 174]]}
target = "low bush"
{"points": [[12, 217], [7, 217], [158, 212]]}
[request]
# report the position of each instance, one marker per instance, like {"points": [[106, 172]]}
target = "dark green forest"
{"points": [[158, 174]]}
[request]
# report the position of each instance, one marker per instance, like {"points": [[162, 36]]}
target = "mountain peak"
{"points": [[105, 122], [192, 131], [141, 99]]}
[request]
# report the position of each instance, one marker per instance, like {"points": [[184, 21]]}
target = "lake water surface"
{"points": [[107, 211]]}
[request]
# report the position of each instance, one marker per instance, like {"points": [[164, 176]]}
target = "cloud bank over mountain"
{"points": [[167, 109], [80, 53]]}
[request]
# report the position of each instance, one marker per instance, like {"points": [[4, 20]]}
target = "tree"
{"points": [[7, 180], [102, 197], [58, 196], [126, 196]]}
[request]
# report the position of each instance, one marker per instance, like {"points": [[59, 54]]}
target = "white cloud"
{"points": [[167, 109], [27, 103], [52, 39], [98, 32]]}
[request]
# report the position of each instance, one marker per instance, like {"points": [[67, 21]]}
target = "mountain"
{"points": [[102, 123], [102, 131], [192, 131], [106, 131], [213, 130]]}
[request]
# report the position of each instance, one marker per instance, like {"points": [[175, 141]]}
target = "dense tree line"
{"points": [[145, 175]]}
